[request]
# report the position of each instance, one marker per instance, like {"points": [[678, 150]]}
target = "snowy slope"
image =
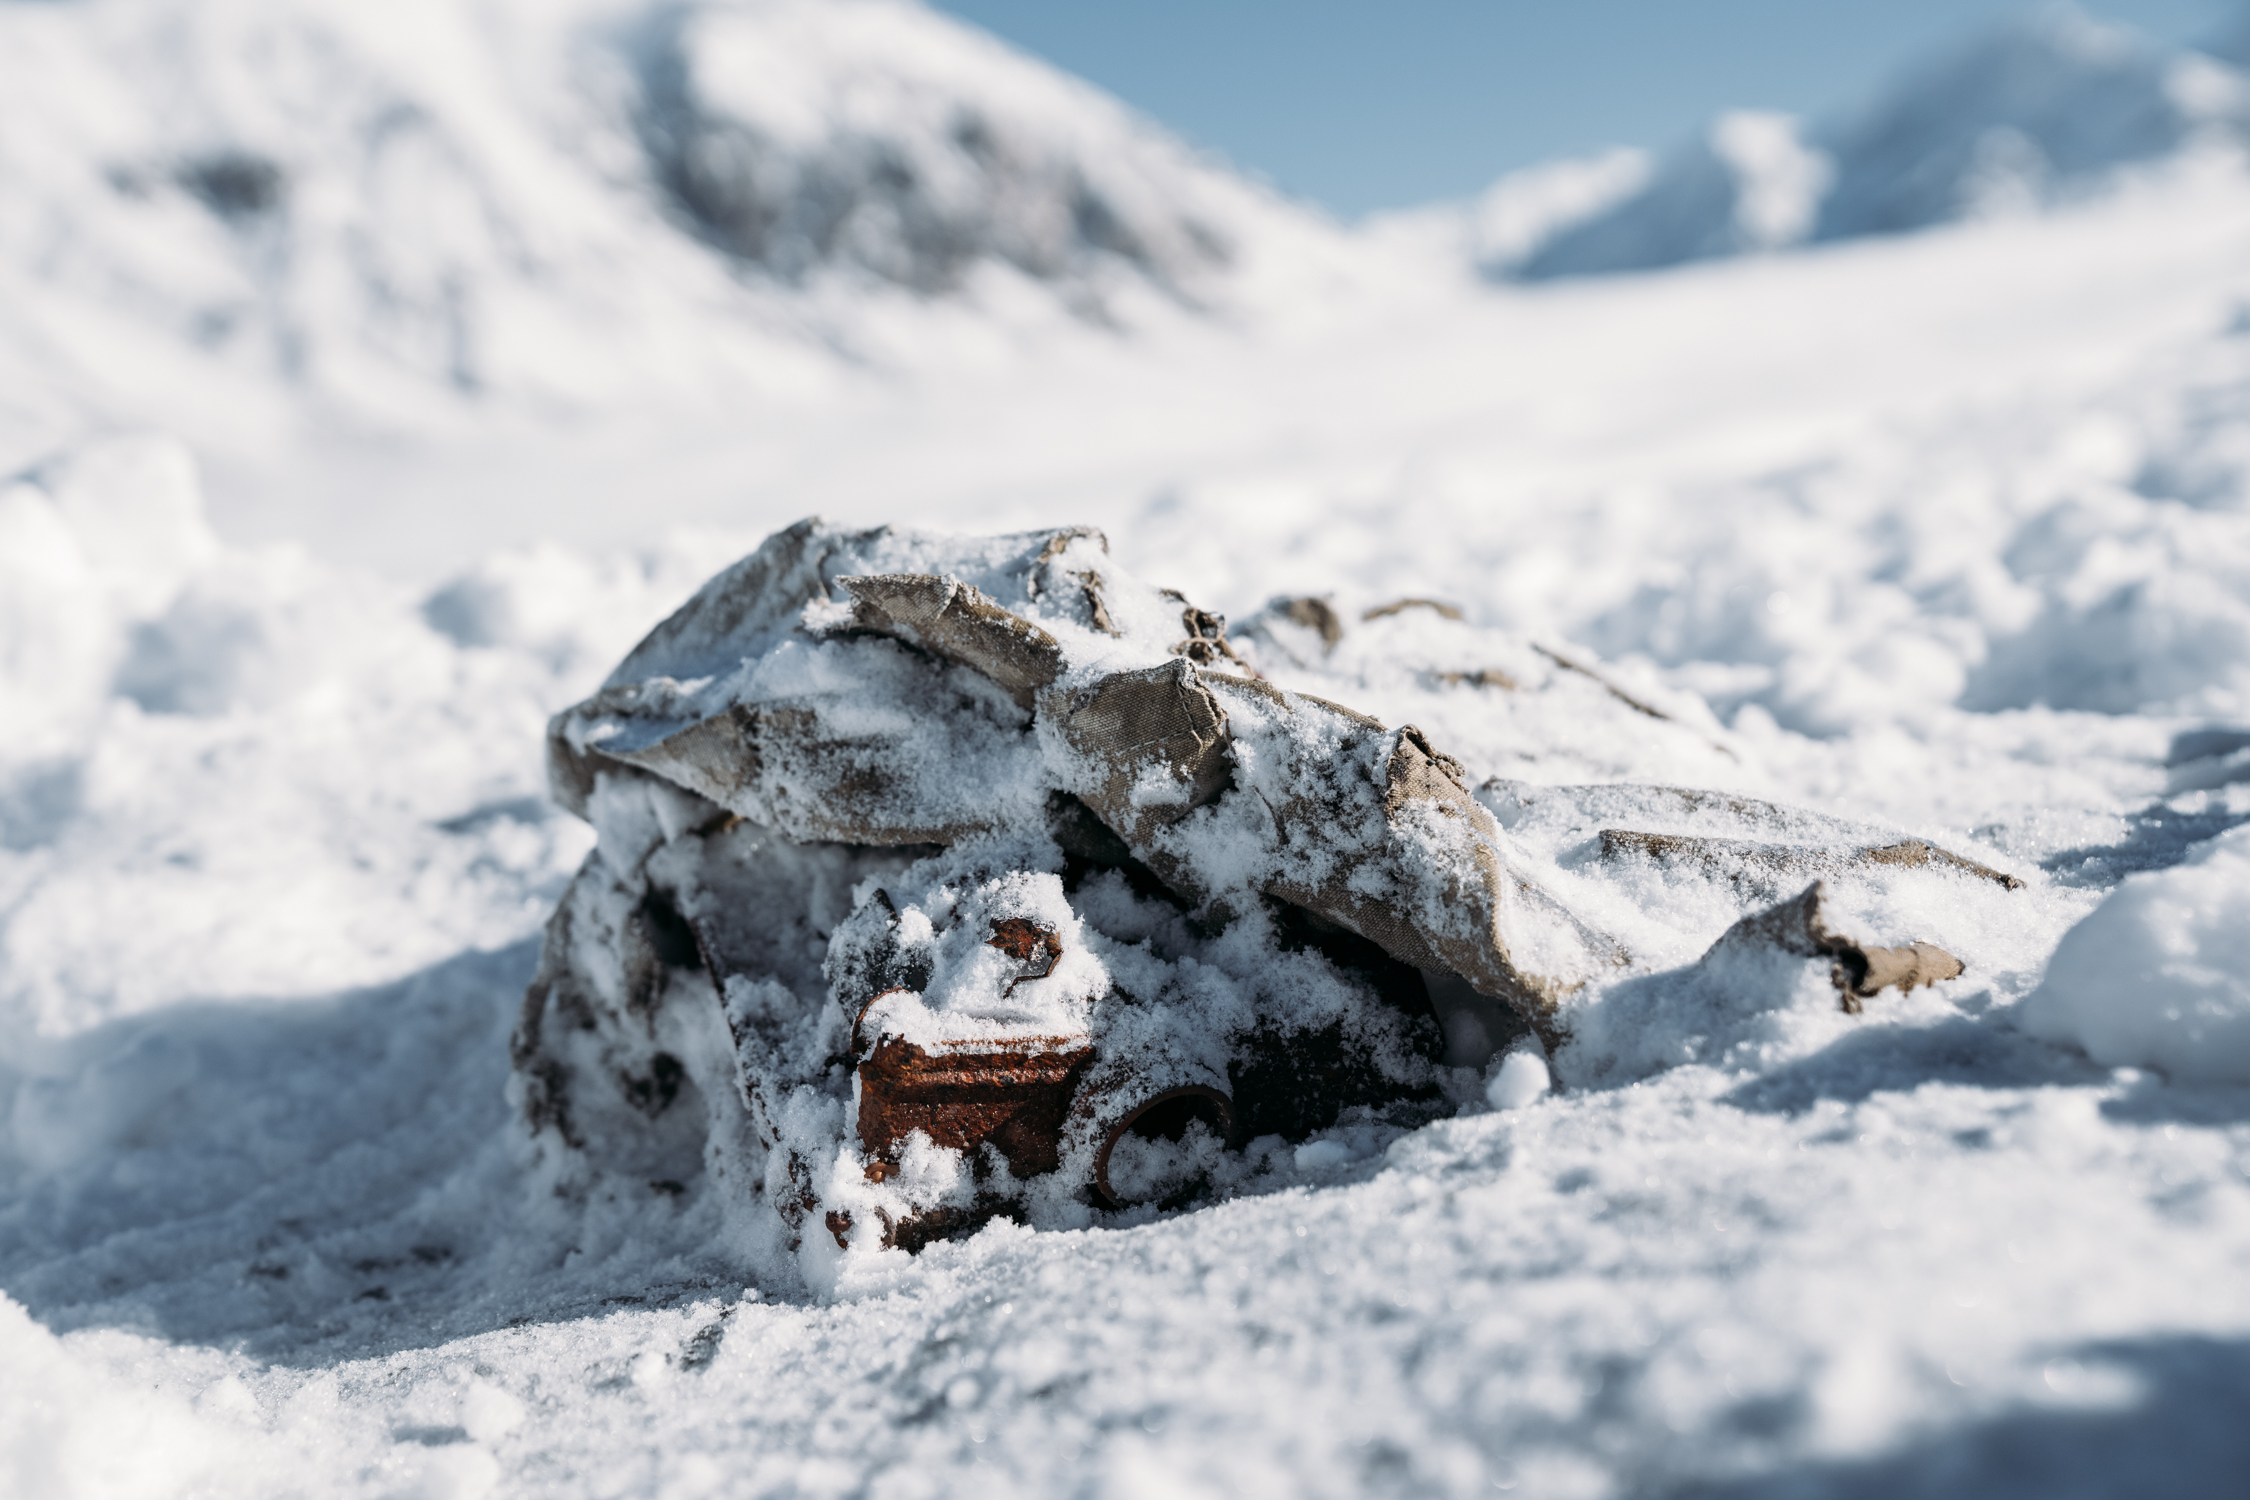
{"points": [[1948, 533], [239, 217], [2039, 108]]}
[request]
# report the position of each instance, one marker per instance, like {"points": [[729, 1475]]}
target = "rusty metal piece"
{"points": [[859, 1042], [1026, 942], [917, 1232], [1166, 1114], [1011, 1096]]}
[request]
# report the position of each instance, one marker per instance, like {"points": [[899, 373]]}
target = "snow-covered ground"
{"points": [[1948, 532]]}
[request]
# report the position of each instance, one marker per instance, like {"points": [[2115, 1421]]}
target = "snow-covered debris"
{"points": [[2039, 108], [2158, 975], [1082, 878]]}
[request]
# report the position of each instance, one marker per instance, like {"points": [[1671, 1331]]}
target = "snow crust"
{"points": [[1939, 535]]}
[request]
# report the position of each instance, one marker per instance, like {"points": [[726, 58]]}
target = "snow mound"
{"points": [[2040, 108], [2158, 975], [2111, 570], [155, 682]]}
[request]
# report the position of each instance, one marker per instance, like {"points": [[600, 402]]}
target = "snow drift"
{"points": [[2158, 976]]}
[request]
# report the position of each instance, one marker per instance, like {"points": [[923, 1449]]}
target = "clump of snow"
{"points": [[2158, 975], [1519, 1078], [122, 1416]]}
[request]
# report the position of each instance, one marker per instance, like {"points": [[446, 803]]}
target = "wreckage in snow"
{"points": [[942, 878]]}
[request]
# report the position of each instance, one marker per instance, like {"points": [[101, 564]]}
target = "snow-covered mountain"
{"points": [[2038, 109], [212, 207]]}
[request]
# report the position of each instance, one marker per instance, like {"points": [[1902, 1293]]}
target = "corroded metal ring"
{"points": [[1189, 1091]]}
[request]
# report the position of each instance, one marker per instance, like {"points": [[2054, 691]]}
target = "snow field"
{"points": [[1941, 535], [1799, 1251]]}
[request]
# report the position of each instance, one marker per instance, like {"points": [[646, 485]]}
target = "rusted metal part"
{"points": [[1166, 1114], [1027, 942], [859, 1017], [1011, 1097]]}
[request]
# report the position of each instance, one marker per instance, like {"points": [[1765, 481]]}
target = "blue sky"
{"points": [[1362, 105]]}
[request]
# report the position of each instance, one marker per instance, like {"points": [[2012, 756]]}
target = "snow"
{"points": [[1519, 1078], [2043, 106], [1938, 534], [2158, 975]]}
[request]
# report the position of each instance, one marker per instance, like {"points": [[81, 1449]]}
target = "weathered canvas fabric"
{"points": [[939, 878]]}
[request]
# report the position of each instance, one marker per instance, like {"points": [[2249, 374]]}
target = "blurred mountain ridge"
{"points": [[565, 202], [2044, 108], [268, 220]]}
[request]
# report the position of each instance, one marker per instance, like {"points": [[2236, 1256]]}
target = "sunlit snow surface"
{"points": [[1949, 533]]}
